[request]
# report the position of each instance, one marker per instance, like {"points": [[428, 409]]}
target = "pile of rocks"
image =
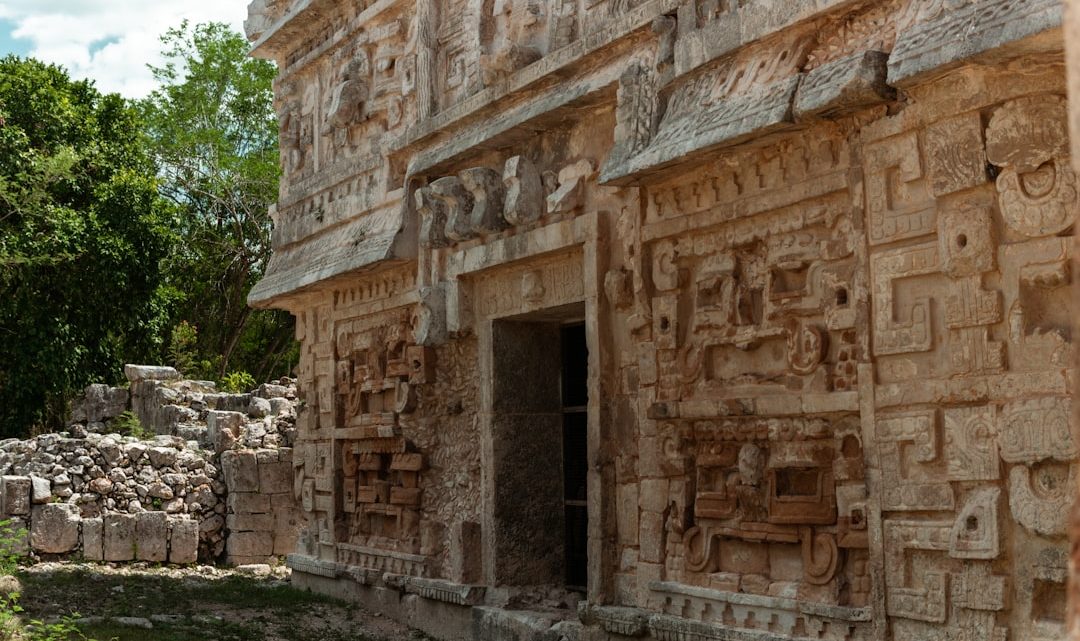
{"points": [[214, 478], [165, 403], [102, 475]]}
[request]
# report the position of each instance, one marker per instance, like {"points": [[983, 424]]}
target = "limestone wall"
{"points": [[822, 254], [213, 484]]}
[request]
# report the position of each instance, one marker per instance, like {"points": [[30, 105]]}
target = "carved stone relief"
{"points": [[1027, 140], [830, 319]]}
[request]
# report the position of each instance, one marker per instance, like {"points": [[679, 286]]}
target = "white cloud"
{"points": [[110, 41]]}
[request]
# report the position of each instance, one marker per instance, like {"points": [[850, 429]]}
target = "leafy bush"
{"points": [[238, 382], [182, 346], [128, 424], [12, 538]]}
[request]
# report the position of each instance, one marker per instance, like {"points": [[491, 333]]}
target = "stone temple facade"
{"points": [[680, 319]]}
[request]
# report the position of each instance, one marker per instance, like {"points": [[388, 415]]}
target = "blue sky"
{"points": [[10, 44], [107, 41]]}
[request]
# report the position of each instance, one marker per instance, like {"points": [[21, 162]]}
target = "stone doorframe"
{"points": [[549, 267]]}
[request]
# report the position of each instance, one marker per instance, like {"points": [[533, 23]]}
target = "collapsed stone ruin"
{"points": [[680, 319], [210, 479]]}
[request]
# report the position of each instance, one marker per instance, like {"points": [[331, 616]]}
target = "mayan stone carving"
{"points": [[680, 319]]}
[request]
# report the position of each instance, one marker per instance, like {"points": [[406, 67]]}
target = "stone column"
{"points": [[1072, 55]]}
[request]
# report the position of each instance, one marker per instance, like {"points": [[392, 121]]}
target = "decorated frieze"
{"points": [[828, 316]]}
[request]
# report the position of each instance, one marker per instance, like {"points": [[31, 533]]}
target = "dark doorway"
{"points": [[539, 449], [575, 400]]}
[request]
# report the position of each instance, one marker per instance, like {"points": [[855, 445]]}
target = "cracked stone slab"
{"points": [[956, 35], [844, 85]]}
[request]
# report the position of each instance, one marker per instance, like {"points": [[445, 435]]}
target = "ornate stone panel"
{"points": [[963, 263], [823, 250]]}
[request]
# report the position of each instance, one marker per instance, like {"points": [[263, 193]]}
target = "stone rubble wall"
{"points": [[214, 481]]}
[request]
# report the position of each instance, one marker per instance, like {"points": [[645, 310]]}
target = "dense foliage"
{"points": [[215, 135], [132, 232], [82, 232]]}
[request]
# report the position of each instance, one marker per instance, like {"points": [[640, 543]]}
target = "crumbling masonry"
{"points": [[680, 319]]}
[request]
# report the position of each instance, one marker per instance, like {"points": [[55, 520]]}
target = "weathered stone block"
{"points": [[250, 522], [654, 494], [241, 471], [955, 35], [727, 122], [99, 403], [15, 494], [183, 541], [54, 528], [40, 490], [223, 428], [627, 510], [652, 537], [466, 553], [248, 545], [93, 547], [18, 531], [248, 503], [275, 478], [136, 373], [850, 83], [119, 537], [271, 391], [285, 539], [151, 536], [282, 502]]}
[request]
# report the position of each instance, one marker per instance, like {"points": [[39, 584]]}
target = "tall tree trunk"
{"points": [[234, 338]]}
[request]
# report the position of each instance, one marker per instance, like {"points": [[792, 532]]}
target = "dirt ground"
{"points": [[141, 602]]}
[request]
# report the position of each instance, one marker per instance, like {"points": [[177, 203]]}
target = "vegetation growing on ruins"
{"points": [[127, 226], [214, 134], [82, 230]]}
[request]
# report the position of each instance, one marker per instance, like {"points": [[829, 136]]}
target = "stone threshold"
{"points": [[434, 589], [748, 617]]}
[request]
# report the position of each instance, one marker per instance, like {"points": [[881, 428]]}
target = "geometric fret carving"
{"points": [[908, 443], [920, 594], [902, 331], [898, 200]]}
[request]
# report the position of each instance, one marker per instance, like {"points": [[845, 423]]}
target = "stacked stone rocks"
{"points": [[262, 516], [216, 478], [130, 499]]}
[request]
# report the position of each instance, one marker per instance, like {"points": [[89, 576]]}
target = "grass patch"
{"points": [[229, 608]]}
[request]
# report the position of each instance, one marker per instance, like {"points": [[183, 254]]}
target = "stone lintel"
{"points": [[737, 28], [515, 124], [359, 244], [957, 35], [301, 18], [584, 53], [727, 123], [844, 85]]}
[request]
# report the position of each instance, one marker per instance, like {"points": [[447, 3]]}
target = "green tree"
{"points": [[82, 232], [215, 136]]}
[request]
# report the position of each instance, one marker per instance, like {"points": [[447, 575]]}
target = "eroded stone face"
{"points": [[822, 253]]}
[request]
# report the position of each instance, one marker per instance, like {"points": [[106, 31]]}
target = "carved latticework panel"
{"points": [[823, 258], [963, 262]]}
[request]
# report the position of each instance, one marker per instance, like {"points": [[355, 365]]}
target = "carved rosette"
{"points": [[1028, 140]]}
